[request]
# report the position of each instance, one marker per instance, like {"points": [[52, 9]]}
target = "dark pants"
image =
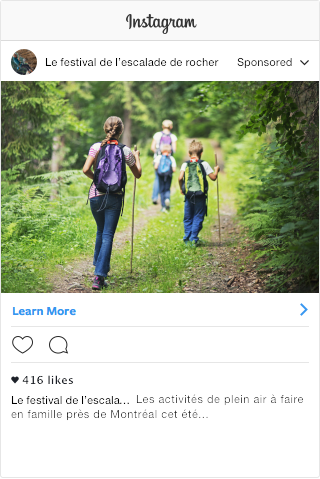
{"points": [[164, 188], [25, 67], [194, 213], [107, 221]]}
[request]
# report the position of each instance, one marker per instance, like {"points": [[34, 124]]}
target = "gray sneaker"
{"points": [[99, 283]]}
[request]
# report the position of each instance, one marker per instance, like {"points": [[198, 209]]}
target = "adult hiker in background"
{"points": [[164, 137], [108, 160]]}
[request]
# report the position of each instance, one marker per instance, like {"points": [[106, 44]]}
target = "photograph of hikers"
{"points": [[160, 187], [24, 62]]}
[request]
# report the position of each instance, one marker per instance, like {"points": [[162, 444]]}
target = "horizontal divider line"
{"points": [[171, 0], [148, 40], [160, 362], [147, 326]]}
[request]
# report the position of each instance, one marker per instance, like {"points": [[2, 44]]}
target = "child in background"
{"points": [[165, 165], [194, 185], [162, 137]]}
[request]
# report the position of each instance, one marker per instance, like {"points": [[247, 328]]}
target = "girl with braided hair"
{"points": [[106, 209]]}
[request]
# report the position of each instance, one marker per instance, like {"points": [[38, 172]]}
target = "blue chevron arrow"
{"points": [[305, 309]]}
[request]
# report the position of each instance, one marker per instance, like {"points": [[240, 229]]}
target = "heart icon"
{"points": [[22, 344], [15, 379]]}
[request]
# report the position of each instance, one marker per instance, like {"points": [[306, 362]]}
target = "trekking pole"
{"points": [[218, 199], [132, 222]]}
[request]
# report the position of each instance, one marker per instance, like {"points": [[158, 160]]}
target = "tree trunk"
{"points": [[126, 138], [56, 158], [127, 128]]}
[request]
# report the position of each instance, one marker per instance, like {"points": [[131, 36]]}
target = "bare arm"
{"points": [[180, 179], [87, 167], [136, 168], [213, 176], [174, 146], [153, 145]]}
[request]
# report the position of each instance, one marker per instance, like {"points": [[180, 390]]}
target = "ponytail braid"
{"points": [[113, 128]]}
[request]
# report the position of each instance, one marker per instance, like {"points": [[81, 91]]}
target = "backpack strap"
{"points": [[89, 193], [123, 170], [101, 154], [204, 175], [123, 163]]}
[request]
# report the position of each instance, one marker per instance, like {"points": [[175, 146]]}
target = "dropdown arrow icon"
{"points": [[304, 63]]}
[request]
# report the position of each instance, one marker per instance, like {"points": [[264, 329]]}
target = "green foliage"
{"points": [[223, 105], [278, 103], [278, 192], [272, 164], [147, 103], [45, 224], [32, 112]]}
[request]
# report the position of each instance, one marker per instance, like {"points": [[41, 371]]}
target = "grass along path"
{"points": [[163, 264], [76, 277], [54, 254], [42, 238]]}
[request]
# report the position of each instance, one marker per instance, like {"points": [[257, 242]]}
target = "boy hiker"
{"points": [[194, 185], [164, 137], [165, 165]]}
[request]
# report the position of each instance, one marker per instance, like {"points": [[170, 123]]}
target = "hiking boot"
{"points": [[98, 283], [163, 210], [154, 202], [186, 242], [167, 203], [193, 244]]}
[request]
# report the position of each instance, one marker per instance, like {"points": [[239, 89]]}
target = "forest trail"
{"points": [[227, 268], [74, 277], [224, 271], [269, 170]]}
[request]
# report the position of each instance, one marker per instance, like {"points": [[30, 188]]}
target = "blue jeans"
{"points": [[155, 192], [164, 187], [194, 212], [107, 221]]}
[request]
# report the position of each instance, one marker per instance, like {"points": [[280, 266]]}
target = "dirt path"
{"points": [[229, 268], [73, 278]]}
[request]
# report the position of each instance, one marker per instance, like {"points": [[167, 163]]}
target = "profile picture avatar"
{"points": [[24, 62]]}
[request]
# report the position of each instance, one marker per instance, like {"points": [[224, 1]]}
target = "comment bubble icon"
{"points": [[58, 345]]}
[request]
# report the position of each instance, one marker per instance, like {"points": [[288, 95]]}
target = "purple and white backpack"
{"points": [[110, 174], [164, 140]]}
